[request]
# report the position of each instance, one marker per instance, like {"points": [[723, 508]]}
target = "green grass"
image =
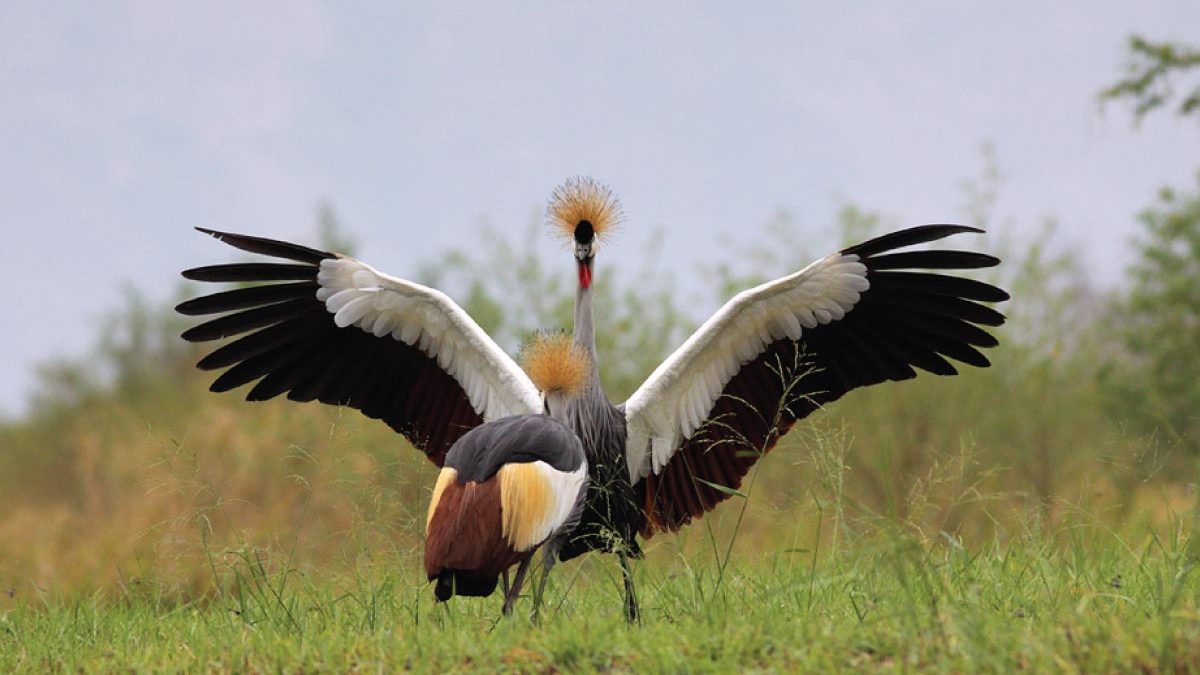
{"points": [[887, 601], [229, 537]]}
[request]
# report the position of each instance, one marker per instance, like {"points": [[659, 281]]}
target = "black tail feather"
{"points": [[444, 590], [459, 582]]}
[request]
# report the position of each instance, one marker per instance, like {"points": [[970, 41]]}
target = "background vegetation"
{"points": [[1017, 516]]}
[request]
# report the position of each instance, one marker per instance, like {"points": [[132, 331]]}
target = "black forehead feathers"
{"points": [[584, 232]]}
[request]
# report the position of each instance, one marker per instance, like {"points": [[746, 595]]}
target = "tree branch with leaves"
{"points": [[1150, 82]]}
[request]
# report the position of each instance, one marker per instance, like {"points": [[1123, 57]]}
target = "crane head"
{"points": [[558, 367], [582, 210]]}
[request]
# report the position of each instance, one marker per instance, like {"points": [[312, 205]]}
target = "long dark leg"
{"points": [[504, 583], [515, 590], [631, 604], [549, 556]]}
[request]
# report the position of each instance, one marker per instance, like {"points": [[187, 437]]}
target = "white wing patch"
{"points": [[356, 294], [678, 396]]}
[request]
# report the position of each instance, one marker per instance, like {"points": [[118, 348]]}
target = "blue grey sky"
{"points": [[125, 124]]}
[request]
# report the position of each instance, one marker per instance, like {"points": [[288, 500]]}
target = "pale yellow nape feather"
{"points": [[526, 503], [555, 363], [579, 199], [444, 478]]}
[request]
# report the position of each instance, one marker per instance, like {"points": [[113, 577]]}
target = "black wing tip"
{"points": [[931, 259], [918, 234], [207, 364], [947, 228], [965, 228], [219, 235], [947, 370], [277, 248], [977, 260], [188, 307], [231, 237]]}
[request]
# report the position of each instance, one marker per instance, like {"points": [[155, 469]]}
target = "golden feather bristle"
{"points": [[582, 198], [555, 363]]}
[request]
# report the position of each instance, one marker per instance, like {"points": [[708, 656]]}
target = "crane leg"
{"points": [[549, 556], [515, 590], [631, 603]]}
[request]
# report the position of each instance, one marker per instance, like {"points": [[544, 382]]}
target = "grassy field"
{"points": [[887, 602], [287, 538]]}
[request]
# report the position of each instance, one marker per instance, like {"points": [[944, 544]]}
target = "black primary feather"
{"points": [[271, 247], [286, 342]]}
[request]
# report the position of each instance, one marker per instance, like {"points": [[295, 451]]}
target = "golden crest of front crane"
{"points": [[582, 199], [555, 363]]}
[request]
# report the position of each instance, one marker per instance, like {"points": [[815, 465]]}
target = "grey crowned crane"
{"points": [[769, 357], [509, 487]]}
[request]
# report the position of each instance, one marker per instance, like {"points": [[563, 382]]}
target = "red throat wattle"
{"points": [[585, 274]]}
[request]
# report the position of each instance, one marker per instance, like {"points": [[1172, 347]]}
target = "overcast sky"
{"points": [[125, 124]]}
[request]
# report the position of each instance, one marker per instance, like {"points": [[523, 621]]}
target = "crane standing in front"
{"points": [[328, 327]]}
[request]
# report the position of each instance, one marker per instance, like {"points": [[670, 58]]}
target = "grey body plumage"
{"points": [[612, 515]]}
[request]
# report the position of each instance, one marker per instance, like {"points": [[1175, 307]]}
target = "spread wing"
{"points": [[330, 328], [775, 353]]}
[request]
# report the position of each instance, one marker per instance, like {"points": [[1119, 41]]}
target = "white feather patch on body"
{"points": [[358, 295], [678, 396]]}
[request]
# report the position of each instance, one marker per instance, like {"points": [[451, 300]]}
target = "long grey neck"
{"points": [[599, 425], [585, 337]]}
